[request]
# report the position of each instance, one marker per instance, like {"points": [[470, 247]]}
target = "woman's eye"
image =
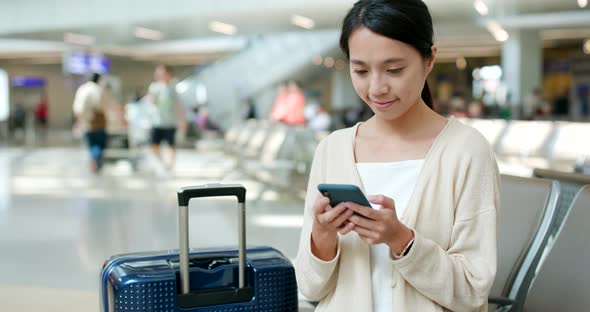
{"points": [[395, 70], [360, 71]]}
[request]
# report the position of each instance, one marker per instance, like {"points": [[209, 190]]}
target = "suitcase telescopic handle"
{"points": [[210, 190]]}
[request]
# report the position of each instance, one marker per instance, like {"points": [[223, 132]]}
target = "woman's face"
{"points": [[387, 74]]}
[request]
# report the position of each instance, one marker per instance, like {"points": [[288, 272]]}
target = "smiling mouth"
{"points": [[383, 105]]}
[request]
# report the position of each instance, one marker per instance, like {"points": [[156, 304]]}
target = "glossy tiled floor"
{"points": [[58, 223]]}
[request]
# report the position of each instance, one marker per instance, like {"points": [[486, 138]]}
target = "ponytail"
{"points": [[426, 95]]}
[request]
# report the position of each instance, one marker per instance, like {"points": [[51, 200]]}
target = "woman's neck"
{"points": [[418, 121]]}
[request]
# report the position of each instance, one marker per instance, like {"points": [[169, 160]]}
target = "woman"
{"points": [[429, 241]]}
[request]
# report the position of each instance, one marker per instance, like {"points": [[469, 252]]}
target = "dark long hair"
{"points": [[408, 21]]}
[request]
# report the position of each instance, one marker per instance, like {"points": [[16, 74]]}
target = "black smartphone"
{"points": [[339, 193]]}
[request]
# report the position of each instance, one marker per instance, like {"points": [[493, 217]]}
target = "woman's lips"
{"points": [[382, 105]]}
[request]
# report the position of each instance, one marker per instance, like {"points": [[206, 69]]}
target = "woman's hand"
{"points": [[327, 223], [380, 226]]}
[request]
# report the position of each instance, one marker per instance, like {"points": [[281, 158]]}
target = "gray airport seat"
{"points": [[491, 129], [524, 138], [284, 158], [233, 133], [570, 142], [259, 136], [563, 281], [243, 137], [305, 145], [527, 209], [272, 163], [571, 183]]}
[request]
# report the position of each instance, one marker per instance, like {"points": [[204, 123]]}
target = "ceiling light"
{"points": [[317, 60], [582, 3], [480, 7], [499, 33], [340, 64], [226, 29], [587, 46], [461, 63], [146, 33], [80, 39], [302, 21], [329, 62]]}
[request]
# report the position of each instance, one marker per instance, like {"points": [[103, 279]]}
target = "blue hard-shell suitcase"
{"points": [[261, 279]]}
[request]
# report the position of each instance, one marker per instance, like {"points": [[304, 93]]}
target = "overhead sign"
{"points": [[82, 63], [28, 82]]}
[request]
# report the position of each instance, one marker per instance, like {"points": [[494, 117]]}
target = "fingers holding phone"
{"points": [[327, 223], [342, 195], [330, 219], [381, 226]]}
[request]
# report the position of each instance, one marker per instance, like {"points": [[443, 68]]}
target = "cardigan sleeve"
{"points": [[315, 278], [460, 278]]}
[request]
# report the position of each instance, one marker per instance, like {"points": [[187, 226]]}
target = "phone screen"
{"points": [[339, 193]]}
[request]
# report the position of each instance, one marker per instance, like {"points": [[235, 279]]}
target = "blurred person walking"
{"points": [[41, 111], [41, 114], [475, 109], [278, 107], [561, 104], [91, 120], [532, 102], [320, 120], [168, 113], [295, 105], [18, 120], [289, 105]]}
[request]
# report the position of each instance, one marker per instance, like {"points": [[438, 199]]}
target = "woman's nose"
{"points": [[378, 87]]}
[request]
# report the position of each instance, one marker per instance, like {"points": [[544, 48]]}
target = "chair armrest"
{"points": [[501, 301]]}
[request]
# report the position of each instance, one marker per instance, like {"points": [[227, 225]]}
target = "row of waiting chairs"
{"points": [[542, 247], [545, 144], [275, 154]]}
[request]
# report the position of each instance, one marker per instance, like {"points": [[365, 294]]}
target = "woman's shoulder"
{"points": [[339, 137]]}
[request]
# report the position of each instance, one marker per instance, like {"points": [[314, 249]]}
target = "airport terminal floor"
{"points": [[62, 222]]}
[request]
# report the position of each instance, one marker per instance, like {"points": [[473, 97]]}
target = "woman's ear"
{"points": [[431, 60]]}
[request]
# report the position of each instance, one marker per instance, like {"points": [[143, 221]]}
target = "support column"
{"points": [[343, 94], [522, 66], [4, 105]]}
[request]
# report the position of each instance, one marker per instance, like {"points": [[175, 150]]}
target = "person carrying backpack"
{"points": [[91, 119]]}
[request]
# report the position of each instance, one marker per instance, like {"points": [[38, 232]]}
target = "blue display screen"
{"points": [[28, 82], [83, 63]]}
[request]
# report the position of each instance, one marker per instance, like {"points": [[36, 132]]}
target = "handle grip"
{"points": [[210, 190]]}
